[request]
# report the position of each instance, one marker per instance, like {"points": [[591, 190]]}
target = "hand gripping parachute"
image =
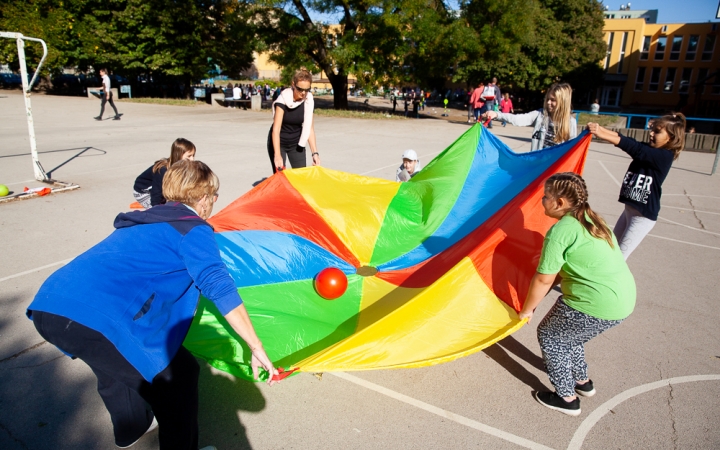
{"points": [[437, 267]]}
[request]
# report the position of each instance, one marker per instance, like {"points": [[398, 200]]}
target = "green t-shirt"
{"points": [[595, 278]]}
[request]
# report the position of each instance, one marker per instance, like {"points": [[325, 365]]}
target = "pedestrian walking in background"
{"points": [[476, 101], [506, 106], [106, 96]]}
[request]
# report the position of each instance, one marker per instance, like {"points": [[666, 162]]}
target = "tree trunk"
{"points": [[340, 86]]}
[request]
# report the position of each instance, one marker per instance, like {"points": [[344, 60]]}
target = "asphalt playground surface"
{"points": [[657, 374]]}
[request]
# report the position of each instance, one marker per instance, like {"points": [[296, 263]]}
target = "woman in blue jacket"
{"points": [[125, 306]]}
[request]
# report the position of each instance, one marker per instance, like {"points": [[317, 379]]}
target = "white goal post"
{"points": [[40, 174]]}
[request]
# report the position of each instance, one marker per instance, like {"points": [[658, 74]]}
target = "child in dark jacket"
{"points": [[148, 185], [642, 185]]}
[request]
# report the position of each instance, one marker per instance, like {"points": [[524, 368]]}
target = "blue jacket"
{"points": [[140, 286]]}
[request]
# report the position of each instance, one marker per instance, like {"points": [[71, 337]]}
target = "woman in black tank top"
{"points": [[286, 133]]}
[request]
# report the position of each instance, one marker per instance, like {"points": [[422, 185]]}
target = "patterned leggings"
{"points": [[562, 334]]}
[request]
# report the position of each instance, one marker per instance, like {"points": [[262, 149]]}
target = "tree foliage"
{"points": [[532, 43], [527, 44], [380, 42], [176, 38]]}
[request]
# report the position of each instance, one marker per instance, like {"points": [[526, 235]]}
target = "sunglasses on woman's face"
{"points": [[301, 90]]}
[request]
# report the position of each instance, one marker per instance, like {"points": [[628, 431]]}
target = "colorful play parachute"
{"points": [[437, 267]]}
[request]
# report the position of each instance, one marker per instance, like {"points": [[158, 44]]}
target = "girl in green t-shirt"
{"points": [[581, 253]]}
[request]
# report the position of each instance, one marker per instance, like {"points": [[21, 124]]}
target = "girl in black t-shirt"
{"points": [[642, 185]]}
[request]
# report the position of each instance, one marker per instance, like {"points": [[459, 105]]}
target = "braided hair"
{"points": [[572, 188]]}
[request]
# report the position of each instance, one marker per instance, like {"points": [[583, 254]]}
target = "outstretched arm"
{"points": [[239, 320], [603, 133]]}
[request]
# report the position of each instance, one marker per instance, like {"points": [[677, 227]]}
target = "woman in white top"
{"points": [[553, 124], [292, 130]]}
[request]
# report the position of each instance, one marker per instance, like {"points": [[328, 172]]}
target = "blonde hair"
{"points": [[561, 115], [177, 150], [572, 187], [302, 74], [674, 124], [188, 182]]}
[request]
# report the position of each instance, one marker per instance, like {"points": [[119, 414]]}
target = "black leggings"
{"points": [[292, 152], [172, 395], [105, 100]]}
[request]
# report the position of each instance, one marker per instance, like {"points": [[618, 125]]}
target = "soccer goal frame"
{"points": [[38, 170]]}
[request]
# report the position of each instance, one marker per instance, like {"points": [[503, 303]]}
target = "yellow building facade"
{"points": [[663, 66]]}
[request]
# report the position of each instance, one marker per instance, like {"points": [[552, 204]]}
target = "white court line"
{"points": [[603, 409], [10, 277], [20, 182], [691, 195], [688, 226], [668, 220], [608, 172], [441, 412], [683, 242], [693, 210]]}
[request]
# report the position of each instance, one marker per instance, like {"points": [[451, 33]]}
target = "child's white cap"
{"points": [[410, 154]]}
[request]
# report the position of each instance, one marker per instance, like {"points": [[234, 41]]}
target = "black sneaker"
{"points": [[554, 401], [586, 390], [97, 118], [117, 117]]}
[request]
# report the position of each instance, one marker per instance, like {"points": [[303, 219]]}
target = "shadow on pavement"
{"points": [[499, 353], [221, 398]]}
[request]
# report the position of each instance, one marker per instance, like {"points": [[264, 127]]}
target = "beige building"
{"points": [[664, 66]]}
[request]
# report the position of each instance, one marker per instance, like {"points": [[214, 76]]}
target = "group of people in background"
{"points": [[150, 271]]}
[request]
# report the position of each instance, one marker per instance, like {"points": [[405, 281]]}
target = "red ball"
{"points": [[331, 283]]}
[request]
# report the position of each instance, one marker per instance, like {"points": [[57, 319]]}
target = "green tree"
{"points": [[60, 26], [532, 43], [380, 42], [179, 39]]}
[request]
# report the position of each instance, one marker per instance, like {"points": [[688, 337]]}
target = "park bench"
{"points": [[229, 101]]}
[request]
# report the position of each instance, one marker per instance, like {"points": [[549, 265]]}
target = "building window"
{"points": [[675, 49], [715, 87], [669, 80], [645, 47], [609, 50], [685, 80], [692, 47], [702, 74], [622, 52], [654, 79], [660, 48], [640, 79], [709, 47]]}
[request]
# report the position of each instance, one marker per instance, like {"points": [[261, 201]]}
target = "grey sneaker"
{"points": [[586, 389]]}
